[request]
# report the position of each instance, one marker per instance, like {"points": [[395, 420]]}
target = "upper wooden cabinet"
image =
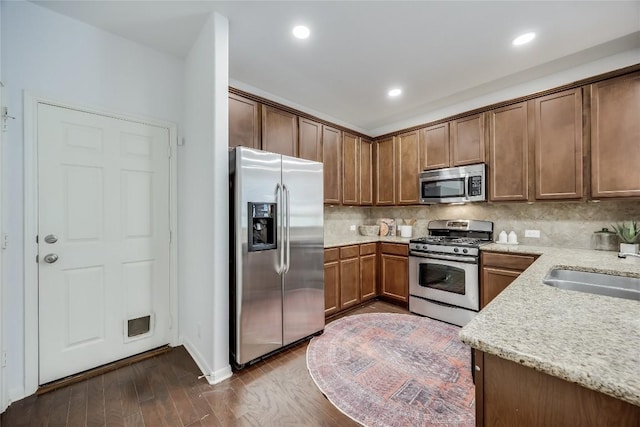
{"points": [[434, 147], [279, 131], [456, 143], [332, 159], [615, 137], [467, 140], [385, 182], [366, 172], [407, 166], [509, 144], [350, 169], [244, 122], [558, 146], [309, 139]]}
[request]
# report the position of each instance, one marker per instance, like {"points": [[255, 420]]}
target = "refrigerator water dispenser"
{"points": [[262, 226]]}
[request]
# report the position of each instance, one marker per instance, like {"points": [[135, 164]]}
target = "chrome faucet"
{"points": [[624, 254]]}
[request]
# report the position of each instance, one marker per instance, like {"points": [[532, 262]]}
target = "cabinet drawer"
{"points": [[516, 262], [332, 254], [395, 249], [349, 251], [367, 248]]}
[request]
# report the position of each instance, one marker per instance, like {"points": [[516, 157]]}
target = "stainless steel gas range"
{"points": [[444, 277]]}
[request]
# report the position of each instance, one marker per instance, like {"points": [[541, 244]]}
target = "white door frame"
{"points": [[31, 346], [3, 391]]}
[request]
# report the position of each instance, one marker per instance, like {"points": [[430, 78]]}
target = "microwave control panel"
{"points": [[475, 186]]}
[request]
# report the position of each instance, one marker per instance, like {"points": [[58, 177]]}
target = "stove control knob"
{"points": [[455, 249], [465, 251]]}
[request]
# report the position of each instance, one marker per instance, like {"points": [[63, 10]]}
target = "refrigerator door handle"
{"points": [[288, 227], [279, 204]]}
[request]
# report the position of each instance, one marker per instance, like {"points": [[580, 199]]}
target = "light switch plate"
{"points": [[532, 233]]}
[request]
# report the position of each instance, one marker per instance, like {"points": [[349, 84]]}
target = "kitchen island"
{"points": [[582, 338]]}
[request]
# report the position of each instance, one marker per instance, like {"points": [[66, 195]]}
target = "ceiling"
{"points": [[439, 53]]}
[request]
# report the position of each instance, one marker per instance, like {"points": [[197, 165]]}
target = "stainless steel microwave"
{"points": [[454, 185]]}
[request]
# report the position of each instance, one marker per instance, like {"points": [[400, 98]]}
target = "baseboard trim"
{"points": [[213, 377]]}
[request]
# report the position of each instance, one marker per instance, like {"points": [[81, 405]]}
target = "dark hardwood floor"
{"points": [[164, 391]]}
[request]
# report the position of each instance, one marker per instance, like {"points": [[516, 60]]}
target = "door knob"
{"points": [[50, 258], [51, 238]]}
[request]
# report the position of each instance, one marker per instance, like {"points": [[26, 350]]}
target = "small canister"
{"points": [[606, 240]]}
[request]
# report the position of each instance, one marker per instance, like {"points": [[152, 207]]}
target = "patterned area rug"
{"points": [[387, 369]]}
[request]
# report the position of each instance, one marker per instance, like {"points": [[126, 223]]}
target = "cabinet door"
{"points": [[350, 169], [368, 270], [494, 281], [279, 131], [434, 147], [509, 167], [385, 172], [244, 122], [331, 287], [558, 146], [349, 282], [332, 155], [407, 169], [394, 276], [366, 172], [467, 140], [615, 137], [309, 140]]}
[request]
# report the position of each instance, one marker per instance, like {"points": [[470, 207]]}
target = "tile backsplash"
{"points": [[563, 224]]}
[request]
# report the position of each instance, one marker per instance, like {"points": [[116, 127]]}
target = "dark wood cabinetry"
{"points": [[331, 281], [332, 159], [309, 140], [394, 271], [498, 271], [244, 122], [407, 168], [615, 137], [467, 140], [366, 172], [349, 276], [368, 271], [385, 183], [279, 131], [350, 169], [434, 147], [510, 394], [509, 148], [558, 146]]}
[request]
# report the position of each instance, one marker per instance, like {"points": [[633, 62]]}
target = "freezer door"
{"points": [[257, 297], [303, 311]]}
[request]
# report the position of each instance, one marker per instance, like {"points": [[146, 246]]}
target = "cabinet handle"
{"points": [[477, 368]]}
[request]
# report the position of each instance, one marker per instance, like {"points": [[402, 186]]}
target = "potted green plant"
{"points": [[628, 235]]}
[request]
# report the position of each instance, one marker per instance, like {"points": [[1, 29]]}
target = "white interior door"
{"points": [[103, 212]]}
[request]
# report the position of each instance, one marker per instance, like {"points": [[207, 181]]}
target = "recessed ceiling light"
{"points": [[523, 39], [301, 32], [395, 92]]}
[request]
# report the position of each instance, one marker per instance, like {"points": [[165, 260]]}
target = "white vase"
{"points": [[630, 248]]}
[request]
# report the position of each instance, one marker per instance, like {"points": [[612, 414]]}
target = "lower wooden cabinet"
{"points": [[498, 271], [510, 394], [331, 281], [368, 271], [394, 271], [349, 276]]}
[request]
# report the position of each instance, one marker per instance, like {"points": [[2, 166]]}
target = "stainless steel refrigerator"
{"points": [[276, 252]]}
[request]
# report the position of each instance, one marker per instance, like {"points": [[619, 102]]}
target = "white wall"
{"points": [[53, 56], [203, 199]]}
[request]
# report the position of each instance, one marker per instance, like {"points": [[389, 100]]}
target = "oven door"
{"points": [[448, 279]]}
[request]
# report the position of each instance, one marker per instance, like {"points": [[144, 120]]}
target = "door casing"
{"points": [[31, 347]]}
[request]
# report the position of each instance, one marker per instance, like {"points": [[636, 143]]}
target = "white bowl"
{"points": [[369, 230]]}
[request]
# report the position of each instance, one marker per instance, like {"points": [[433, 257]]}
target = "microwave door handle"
{"points": [[466, 186]]}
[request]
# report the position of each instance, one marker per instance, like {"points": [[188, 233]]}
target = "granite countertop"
{"points": [[354, 239], [591, 340]]}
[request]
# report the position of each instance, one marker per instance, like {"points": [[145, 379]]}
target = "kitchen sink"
{"points": [[594, 283]]}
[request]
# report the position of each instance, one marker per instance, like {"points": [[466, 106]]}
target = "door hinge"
{"points": [[5, 240], [170, 236], [37, 258], [4, 359], [5, 119], [37, 238]]}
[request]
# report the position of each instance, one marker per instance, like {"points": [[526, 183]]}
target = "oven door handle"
{"points": [[457, 258]]}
